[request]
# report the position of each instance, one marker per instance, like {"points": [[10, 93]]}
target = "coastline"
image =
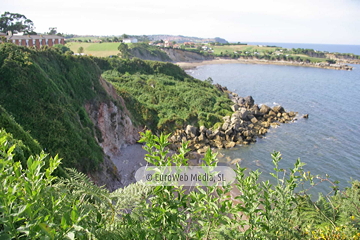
{"points": [[194, 64]]}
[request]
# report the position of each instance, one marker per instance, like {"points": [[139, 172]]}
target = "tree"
{"points": [[15, 23], [62, 48], [124, 36], [331, 61], [80, 50], [52, 31], [124, 50]]}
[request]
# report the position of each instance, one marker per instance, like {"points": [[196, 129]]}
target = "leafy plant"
{"points": [[34, 204]]}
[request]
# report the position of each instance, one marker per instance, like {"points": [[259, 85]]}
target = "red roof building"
{"points": [[34, 40]]}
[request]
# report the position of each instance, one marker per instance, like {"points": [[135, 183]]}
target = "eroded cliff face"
{"points": [[352, 59], [178, 55], [114, 131], [147, 55]]}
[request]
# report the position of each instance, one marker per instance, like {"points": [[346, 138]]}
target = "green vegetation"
{"points": [[42, 107], [241, 48], [54, 88], [16, 23], [36, 205], [80, 50], [45, 92], [96, 49], [145, 51], [163, 97], [276, 53], [27, 146]]}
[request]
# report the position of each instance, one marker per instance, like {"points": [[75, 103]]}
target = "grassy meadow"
{"points": [[243, 48], [228, 49], [106, 49], [95, 49]]}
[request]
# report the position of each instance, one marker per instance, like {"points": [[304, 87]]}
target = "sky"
{"points": [[280, 21]]}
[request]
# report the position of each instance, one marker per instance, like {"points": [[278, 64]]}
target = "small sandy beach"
{"points": [[190, 65]]}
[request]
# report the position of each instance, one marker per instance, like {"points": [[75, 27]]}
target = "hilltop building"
{"points": [[34, 40], [130, 40]]}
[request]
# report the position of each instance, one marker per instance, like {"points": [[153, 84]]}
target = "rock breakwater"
{"points": [[248, 122]]}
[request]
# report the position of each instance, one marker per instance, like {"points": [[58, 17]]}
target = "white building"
{"points": [[130, 40]]}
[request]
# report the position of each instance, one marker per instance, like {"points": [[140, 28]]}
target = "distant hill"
{"points": [[182, 39]]}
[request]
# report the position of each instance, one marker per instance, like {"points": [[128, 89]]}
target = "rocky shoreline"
{"points": [[244, 126], [194, 64]]}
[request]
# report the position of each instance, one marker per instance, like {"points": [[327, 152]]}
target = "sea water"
{"points": [[328, 141]]}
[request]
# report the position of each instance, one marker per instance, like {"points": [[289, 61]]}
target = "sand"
{"points": [[129, 161], [190, 65]]}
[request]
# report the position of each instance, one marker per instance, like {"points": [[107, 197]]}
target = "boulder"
{"points": [[255, 110], [272, 113], [226, 118], [203, 149], [243, 113], [191, 131], [219, 144], [253, 120], [278, 109], [203, 129], [202, 138], [292, 114], [265, 124], [306, 116], [247, 133], [264, 109], [286, 117], [263, 131], [228, 132], [235, 107], [239, 100], [230, 145], [225, 126], [249, 101]]}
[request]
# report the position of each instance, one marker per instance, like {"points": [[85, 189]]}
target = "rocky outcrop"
{"points": [[114, 131], [178, 55], [340, 64], [144, 54], [244, 126], [344, 58]]}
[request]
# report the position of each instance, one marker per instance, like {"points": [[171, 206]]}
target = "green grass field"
{"points": [[95, 49], [243, 48]]}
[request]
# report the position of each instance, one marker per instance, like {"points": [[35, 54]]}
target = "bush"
{"points": [[36, 205]]}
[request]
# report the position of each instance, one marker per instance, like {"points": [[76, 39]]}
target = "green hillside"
{"points": [[42, 98], [27, 146], [95, 49], [163, 97], [45, 92]]}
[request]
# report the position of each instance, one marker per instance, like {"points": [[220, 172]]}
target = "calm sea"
{"points": [[328, 142]]}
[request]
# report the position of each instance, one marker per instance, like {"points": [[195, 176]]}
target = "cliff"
{"points": [[146, 52], [115, 132], [344, 58], [178, 55], [62, 102]]}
